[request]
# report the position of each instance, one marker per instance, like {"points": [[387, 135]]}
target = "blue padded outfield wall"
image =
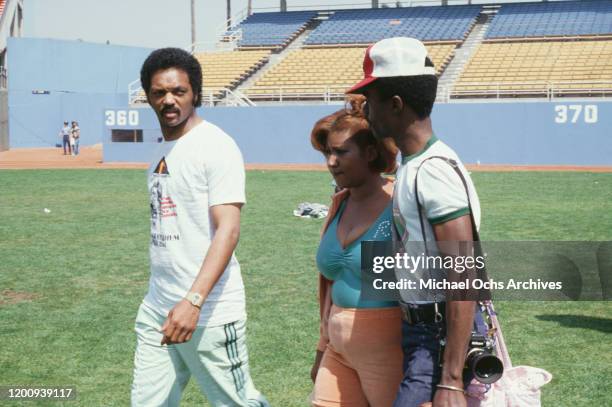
{"points": [[88, 83], [539, 133], [81, 80]]}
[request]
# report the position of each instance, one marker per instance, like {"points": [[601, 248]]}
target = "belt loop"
{"points": [[437, 315], [406, 312]]}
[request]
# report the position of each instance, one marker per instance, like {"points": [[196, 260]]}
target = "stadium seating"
{"points": [[575, 18], [528, 67], [365, 26], [226, 69], [272, 30], [315, 70], [524, 52]]}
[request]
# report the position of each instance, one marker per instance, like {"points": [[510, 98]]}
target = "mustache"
{"points": [[169, 110]]}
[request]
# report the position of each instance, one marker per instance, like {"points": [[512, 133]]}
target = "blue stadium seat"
{"points": [[572, 18], [272, 29], [449, 23]]}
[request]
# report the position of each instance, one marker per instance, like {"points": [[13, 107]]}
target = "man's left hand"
{"points": [[180, 324]]}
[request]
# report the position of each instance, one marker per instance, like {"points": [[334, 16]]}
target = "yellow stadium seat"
{"points": [[225, 69], [511, 64], [313, 70]]}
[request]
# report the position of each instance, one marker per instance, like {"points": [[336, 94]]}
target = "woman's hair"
{"points": [[352, 118]]}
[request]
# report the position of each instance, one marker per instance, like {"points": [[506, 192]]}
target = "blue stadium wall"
{"points": [[79, 80], [85, 81], [538, 133]]}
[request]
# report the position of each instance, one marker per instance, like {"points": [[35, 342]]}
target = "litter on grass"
{"points": [[311, 210]]}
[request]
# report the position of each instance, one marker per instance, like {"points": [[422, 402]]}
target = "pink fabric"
{"points": [[518, 387]]}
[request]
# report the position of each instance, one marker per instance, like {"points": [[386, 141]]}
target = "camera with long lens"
{"points": [[481, 360]]}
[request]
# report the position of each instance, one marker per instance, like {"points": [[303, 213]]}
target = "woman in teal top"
{"points": [[359, 356], [342, 265]]}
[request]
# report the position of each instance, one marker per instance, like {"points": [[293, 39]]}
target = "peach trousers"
{"points": [[362, 364]]}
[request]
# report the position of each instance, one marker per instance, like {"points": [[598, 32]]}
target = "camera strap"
{"points": [[455, 166]]}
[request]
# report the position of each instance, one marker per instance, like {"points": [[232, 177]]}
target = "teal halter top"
{"points": [[343, 266]]}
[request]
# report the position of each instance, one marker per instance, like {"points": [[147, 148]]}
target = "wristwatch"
{"points": [[195, 299]]}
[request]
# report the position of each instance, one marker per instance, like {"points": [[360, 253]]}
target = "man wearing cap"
{"points": [[400, 86]]}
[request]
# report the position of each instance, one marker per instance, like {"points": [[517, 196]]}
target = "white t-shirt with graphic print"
{"points": [[442, 196], [186, 178]]}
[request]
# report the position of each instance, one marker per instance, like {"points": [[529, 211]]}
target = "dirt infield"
{"points": [[47, 158], [91, 157]]}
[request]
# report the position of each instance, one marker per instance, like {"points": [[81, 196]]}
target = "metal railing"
{"points": [[212, 46], [544, 90], [325, 93], [3, 77], [363, 5], [136, 94], [538, 89], [334, 93], [211, 97], [226, 38]]}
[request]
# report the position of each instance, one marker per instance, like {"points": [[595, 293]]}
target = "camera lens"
{"points": [[487, 368]]}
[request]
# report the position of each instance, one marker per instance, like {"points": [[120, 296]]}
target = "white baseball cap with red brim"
{"points": [[399, 56]]}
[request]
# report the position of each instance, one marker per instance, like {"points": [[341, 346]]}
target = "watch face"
{"points": [[195, 299]]}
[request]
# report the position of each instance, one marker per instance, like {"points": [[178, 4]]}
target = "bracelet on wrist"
{"points": [[448, 387]]}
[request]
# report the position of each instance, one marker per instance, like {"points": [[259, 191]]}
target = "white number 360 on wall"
{"points": [[121, 118]]}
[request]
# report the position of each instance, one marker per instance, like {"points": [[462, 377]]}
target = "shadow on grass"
{"points": [[580, 321]]}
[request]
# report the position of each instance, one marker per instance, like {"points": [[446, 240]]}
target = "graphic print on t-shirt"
{"points": [[162, 205], [162, 167]]}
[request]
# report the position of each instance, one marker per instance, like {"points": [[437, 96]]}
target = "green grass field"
{"points": [[81, 271]]}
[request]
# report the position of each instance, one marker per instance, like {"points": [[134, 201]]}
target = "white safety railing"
{"points": [[325, 93], [362, 4], [236, 19], [333, 93], [136, 94], [211, 97], [548, 90], [3, 77], [214, 46], [231, 36], [226, 38]]}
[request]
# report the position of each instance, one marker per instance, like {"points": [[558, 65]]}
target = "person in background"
{"points": [[76, 136], [65, 135]]}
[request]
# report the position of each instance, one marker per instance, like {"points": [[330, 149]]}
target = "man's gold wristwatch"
{"points": [[195, 299]]}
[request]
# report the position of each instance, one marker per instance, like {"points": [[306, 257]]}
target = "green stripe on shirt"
{"points": [[449, 216]]}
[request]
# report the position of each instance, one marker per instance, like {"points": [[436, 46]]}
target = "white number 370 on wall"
{"points": [[576, 113]]}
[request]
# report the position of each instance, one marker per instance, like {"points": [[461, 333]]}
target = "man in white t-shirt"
{"points": [[192, 320], [65, 135], [400, 86]]}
